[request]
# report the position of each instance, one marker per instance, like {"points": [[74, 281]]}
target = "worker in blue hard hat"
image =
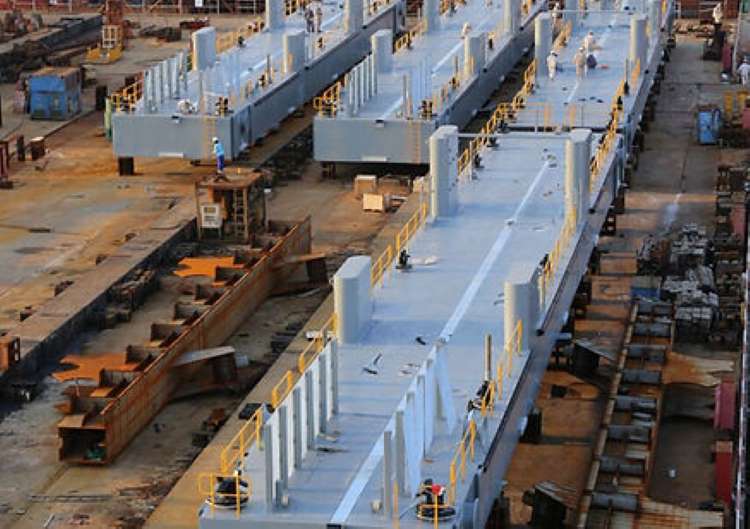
{"points": [[219, 153]]}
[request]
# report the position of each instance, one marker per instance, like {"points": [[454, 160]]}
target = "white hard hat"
{"points": [[215, 140]]}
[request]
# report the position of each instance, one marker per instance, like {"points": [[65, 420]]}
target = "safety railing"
{"points": [[373, 6], [609, 139], [243, 440], [549, 270], [327, 103], [229, 39], [250, 432], [457, 468], [605, 147], [730, 98], [563, 37], [236, 490], [408, 38], [313, 349], [502, 113], [487, 400], [292, 6], [410, 228], [382, 264], [282, 389], [450, 5], [126, 99], [513, 345]]}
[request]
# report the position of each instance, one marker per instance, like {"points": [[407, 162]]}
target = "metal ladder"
{"points": [[415, 137], [238, 217]]}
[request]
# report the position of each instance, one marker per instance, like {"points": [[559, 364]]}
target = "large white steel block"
{"points": [[351, 298]]}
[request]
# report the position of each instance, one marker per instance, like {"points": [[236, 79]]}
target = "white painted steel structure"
{"points": [[385, 404], [265, 80], [453, 62]]}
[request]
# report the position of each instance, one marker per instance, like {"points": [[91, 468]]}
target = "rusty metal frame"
{"points": [[219, 310]]}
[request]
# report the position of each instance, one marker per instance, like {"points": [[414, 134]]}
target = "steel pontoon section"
{"points": [[188, 136], [395, 140]]}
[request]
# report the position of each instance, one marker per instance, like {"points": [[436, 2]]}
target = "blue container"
{"points": [[708, 125], [55, 93]]}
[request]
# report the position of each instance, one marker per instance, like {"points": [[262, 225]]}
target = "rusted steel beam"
{"points": [[107, 424]]}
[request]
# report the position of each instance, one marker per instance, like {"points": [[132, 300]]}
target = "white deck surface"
{"points": [[431, 61], [508, 219], [592, 95], [252, 58]]}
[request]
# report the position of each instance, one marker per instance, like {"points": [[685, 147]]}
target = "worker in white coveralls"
{"points": [[579, 59], [552, 65], [318, 18], [718, 14], [589, 42], [743, 71]]}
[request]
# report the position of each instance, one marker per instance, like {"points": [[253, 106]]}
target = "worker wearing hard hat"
{"points": [[219, 153], [743, 71], [718, 15], [589, 42], [552, 65], [556, 15], [579, 59]]}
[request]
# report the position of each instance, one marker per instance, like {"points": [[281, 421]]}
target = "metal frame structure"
{"points": [[109, 415]]}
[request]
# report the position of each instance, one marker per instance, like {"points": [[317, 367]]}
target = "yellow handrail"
{"points": [[503, 112], [126, 99], [243, 440], [381, 265], [282, 389], [406, 40], [488, 399], [458, 463], [229, 39], [250, 432], [327, 103], [562, 38], [207, 482], [373, 6], [315, 347]]}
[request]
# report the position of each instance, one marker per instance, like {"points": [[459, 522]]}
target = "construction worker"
{"points": [[590, 62], [556, 15], [743, 70], [552, 65], [589, 42], [579, 59], [318, 17], [219, 153], [718, 15], [309, 19]]}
